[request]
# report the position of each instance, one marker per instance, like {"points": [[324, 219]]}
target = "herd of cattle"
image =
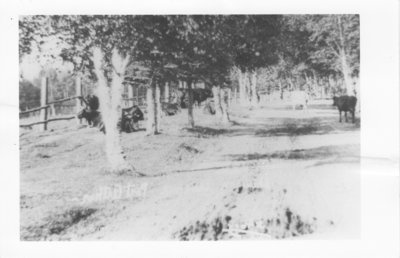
{"points": [[130, 117]]}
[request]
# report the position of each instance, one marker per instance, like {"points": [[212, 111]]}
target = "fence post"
{"points": [[78, 92], [43, 102]]}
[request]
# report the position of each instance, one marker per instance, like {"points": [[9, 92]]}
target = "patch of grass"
{"points": [[214, 230], [42, 156], [207, 131], [189, 148], [304, 154], [295, 127], [46, 145], [285, 224], [57, 224]]}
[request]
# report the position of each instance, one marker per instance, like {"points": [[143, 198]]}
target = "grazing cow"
{"points": [[170, 109], [93, 118], [199, 96], [130, 119], [92, 102], [299, 98], [346, 104]]}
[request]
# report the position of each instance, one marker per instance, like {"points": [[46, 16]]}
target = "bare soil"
{"points": [[271, 173]]}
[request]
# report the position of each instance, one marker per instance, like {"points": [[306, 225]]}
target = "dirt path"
{"points": [[250, 180], [269, 174]]}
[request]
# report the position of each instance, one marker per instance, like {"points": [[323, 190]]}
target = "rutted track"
{"points": [[254, 172]]}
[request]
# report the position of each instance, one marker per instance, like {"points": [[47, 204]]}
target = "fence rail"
{"points": [[33, 110], [47, 121], [66, 99], [47, 108], [46, 105]]}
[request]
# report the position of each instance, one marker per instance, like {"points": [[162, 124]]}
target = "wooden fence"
{"points": [[45, 105], [47, 108]]}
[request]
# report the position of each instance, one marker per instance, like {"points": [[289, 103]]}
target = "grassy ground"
{"points": [[270, 173]]}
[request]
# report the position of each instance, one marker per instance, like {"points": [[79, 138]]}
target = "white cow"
{"points": [[299, 97]]}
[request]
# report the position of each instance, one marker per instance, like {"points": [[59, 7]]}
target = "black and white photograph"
{"points": [[202, 126], [189, 127]]}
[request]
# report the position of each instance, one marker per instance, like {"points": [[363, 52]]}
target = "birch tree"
{"points": [[95, 45], [110, 99], [337, 41]]}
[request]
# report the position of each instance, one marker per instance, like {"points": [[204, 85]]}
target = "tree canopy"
{"points": [[204, 47]]}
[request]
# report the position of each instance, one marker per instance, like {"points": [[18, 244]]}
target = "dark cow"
{"points": [[170, 109], [346, 104], [92, 102], [90, 112], [130, 118], [199, 96], [93, 118]]}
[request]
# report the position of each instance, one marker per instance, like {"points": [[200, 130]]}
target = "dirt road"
{"points": [[268, 174]]}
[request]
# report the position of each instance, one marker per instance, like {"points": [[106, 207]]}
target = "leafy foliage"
{"points": [[288, 48]]}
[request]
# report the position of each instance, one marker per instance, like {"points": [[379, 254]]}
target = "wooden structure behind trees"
{"points": [[134, 95]]}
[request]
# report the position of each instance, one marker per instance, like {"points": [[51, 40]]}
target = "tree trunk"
{"points": [[217, 101], [190, 106], [346, 74], [229, 92], [248, 88], [331, 84], [224, 103], [314, 82], [253, 89], [166, 92], [151, 110], [157, 103], [78, 92], [221, 104], [342, 55], [357, 89], [130, 96], [235, 95], [291, 84], [110, 99], [242, 88], [308, 85]]}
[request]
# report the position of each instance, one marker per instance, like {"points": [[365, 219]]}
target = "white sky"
{"points": [[33, 63]]}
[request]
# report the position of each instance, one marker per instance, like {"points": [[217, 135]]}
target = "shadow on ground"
{"points": [[337, 152], [290, 127]]}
